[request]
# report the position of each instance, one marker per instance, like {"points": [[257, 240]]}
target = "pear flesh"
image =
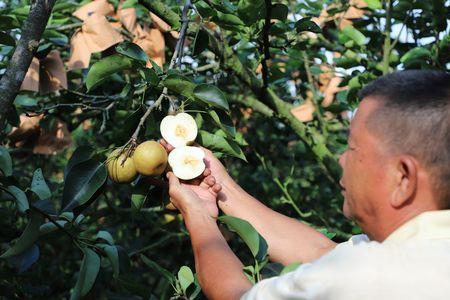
{"points": [[179, 130], [187, 162]]}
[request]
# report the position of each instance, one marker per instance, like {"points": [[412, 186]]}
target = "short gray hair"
{"points": [[414, 118]]}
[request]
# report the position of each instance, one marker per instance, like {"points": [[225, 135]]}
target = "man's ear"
{"points": [[405, 181]]}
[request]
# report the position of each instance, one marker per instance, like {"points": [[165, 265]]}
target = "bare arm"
{"points": [[219, 270], [289, 240]]}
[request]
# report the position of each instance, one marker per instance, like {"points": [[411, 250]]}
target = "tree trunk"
{"points": [[31, 34]]}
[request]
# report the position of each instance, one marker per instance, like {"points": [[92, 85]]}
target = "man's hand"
{"points": [[217, 169], [195, 197]]}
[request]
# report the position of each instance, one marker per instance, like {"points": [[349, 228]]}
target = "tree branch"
{"points": [[31, 33], [175, 56], [162, 11], [266, 44], [313, 140], [387, 38]]}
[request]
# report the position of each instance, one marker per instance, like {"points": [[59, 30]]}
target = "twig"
{"points": [[91, 96], [132, 141], [403, 27], [314, 89], [105, 116], [160, 242], [387, 38], [266, 45], [44, 214], [65, 27]]}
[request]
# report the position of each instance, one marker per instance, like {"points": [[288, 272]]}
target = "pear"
{"points": [[179, 130], [187, 162], [150, 158], [118, 172]]}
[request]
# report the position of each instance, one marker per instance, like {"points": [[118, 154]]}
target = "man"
{"points": [[396, 186]]}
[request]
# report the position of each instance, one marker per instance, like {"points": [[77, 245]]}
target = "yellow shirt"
{"points": [[412, 263]]}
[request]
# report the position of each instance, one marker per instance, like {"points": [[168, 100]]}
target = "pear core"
{"points": [[179, 130], [187, 162]]}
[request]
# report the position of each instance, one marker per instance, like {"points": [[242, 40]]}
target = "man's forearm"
{"points": [[219, 270], [289, 240]]}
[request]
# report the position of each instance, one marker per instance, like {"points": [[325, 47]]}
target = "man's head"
{"points": [[397, 164]]}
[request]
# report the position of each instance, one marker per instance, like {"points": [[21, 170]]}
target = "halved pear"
{"points": [[187, 162], [179, 130]]}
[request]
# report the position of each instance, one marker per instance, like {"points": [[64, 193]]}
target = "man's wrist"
{"points": [[198, 219]]}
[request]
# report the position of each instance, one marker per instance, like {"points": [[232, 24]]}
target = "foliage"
{"points": [[67, 231]]}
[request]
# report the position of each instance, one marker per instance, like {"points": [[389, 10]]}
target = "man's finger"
{"points": [[166, 145], [207, 172], [173, 180], [210, 180], [216, 188]]}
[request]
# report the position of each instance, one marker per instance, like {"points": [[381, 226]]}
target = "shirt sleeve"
{"points": [[324, 278]]}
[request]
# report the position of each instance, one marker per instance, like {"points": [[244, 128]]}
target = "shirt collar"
{"points": [[427, 225]]}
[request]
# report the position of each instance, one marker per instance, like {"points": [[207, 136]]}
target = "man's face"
{"points": [[364, 180]]}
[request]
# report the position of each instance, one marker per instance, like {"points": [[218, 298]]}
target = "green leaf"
{"points": [[81, 154], [204, 9], [157, 68], [217, 143], [160, 270], [211, 95], [106, 67], [39, 186], [25, 101], [327, 233], [257, 244], [129, 4], [113, 255], [50, 227], [83, 180], [105, 235], [289, 268], [5, 161], [201, 42], [223, 120], [373, 4], [133, 51], [24, 260], [55, 37], [306, 24], [229, 19], [279, 11], [68, 215], [251, 11], [21, 198], [418, 53], [27, 239], [90, 267], [150, 76], [8, 22], [354, 34], [185, 277], [137, 202], [179, 84], [6, 39]]}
